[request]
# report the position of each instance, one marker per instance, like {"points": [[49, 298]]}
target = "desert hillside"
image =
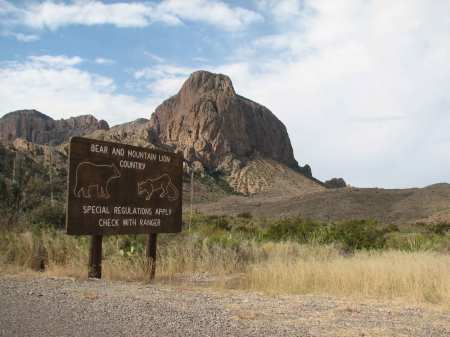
{"points": [[397, 206]]}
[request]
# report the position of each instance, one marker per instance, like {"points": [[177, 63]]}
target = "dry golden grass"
{"points": [[417, 277]]}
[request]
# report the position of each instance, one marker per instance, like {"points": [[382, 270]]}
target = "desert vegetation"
{"points": [[358, 258]]}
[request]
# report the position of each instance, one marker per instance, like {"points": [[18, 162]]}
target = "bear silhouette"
{"points": [[90, 176], [162, 183]]}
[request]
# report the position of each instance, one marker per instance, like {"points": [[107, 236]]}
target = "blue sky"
{"points": [[119, 47], [362, 86]]}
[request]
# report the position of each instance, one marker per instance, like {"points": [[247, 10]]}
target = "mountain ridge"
{"points": [[37, 127]]}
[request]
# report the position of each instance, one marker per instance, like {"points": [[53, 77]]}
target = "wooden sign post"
{"points": [[95, 257], [151, 255], [122, 189]]}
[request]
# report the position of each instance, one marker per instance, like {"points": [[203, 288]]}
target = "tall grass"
{"points": [[415, 276], [421, 276], [124, 256]]}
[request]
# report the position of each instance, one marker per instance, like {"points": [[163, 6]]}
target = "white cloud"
{"points": [[57, 61], [161, 71], [105, 61], [154, 57], [362, 87], [216, 13], [9, 14], [162, 80], [21, 37], [53, 15], [282, 10], [55, 86], [7, 8]]}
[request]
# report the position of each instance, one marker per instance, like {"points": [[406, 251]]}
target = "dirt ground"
{"points": [[44, 306]]}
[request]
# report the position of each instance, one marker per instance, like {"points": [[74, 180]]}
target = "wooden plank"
{"points": [[122, 189]]}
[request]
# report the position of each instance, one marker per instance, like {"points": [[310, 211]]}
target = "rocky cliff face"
{"points": [[38, 128], [135, 133], [220, 133], [213, 125]]}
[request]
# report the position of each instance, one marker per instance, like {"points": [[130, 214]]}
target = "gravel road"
{"points": [[43, 306]]}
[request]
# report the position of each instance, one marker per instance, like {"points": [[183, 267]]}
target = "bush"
{"points": [[245, 215], [131, 245], [46, 214], [360, 234], [223, 241], [440, 228], [353, 234], [291, 229], [219, 222], [4, 194], [248, 228]]}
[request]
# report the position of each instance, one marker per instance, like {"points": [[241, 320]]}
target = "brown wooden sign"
{"points": [[121, 189]]}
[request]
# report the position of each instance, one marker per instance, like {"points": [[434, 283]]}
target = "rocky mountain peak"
{"points": [[204, 82], [85, 121], [211, 124], [27, 114]]}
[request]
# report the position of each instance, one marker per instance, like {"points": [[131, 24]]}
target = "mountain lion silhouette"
{"points": [[163, 183]]}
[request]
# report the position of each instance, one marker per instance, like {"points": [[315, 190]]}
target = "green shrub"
{"points": [[359, 234], [4, 193], [219, 222], [46, 214], [413, 242], [391, 228], [294, 229], [245, 215], [440, 228], [130, 245], [223, 241], [248, 228]]}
